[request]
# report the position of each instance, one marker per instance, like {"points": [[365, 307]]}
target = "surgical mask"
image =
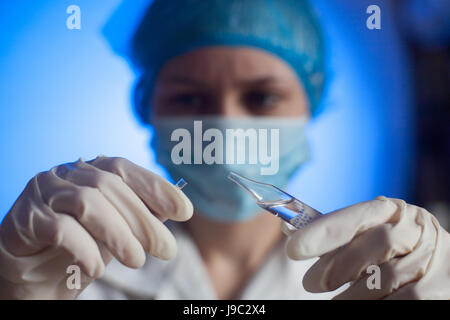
{"points": [[203, 150]]}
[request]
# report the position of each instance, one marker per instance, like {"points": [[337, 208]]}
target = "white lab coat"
{"points": [[185, 277]]}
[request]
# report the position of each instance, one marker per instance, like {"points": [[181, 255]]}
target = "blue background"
{"points": [[64, 94]]}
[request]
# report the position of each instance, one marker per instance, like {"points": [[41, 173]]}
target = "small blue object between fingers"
{"points": [[181, 183]]}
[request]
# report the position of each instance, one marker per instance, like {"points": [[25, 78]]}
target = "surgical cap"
{"points": [[286, 28]]}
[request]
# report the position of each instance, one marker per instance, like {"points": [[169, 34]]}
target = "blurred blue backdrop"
{"points": [[64, 94]]}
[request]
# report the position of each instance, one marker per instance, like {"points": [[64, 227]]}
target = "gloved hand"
{"points": [[407, 243], [84, 213]]}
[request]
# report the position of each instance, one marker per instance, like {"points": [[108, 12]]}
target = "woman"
{"points": [[225, 65]]}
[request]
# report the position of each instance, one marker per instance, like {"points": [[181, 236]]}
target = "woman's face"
{"points": [[226, 81]]}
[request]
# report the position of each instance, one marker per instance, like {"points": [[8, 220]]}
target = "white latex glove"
{"points": [[84, 213], [405, 241]]}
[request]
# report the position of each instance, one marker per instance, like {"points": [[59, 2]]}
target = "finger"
{"points": [[287, 228], [63, 231], [151, 232], [163, 198], [408, 292], [433, 284], [373, 285], [96, 214], [373, 247], [393, 280], [339, 227], [399, 271]]}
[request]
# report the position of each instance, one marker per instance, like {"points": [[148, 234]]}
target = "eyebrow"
{"points": [[248, 82], [182, 80], [261, 81]]}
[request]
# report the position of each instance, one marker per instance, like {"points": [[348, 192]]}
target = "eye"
{"points": [[260, 99], [188, 100]]}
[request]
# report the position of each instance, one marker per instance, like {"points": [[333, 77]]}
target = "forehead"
{"points": [[221, 63]]}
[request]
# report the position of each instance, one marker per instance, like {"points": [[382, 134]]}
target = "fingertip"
{"points": [[134, 258], [287, 228], [316, 279], [93, 268], [163, 244], [168, 252], [307, 242], [294, 249], [312, 285], [185, 209]]}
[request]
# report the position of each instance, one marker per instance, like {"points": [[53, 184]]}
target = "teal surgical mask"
{"points": [[203, 150]]}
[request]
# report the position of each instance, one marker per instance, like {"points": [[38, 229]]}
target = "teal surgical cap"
{"points": [[288, 29]]}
